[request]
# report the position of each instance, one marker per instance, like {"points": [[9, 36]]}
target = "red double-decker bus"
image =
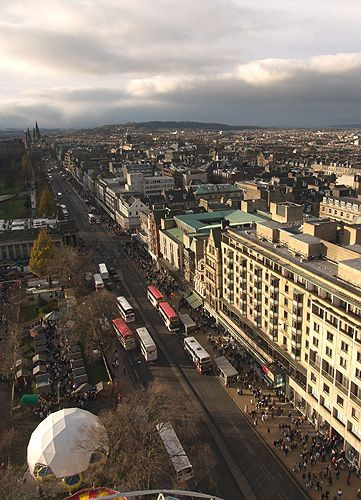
{"points": [[155, 297], [124, 333], [169, 316]]}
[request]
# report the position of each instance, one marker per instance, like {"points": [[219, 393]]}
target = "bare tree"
{"points": [[137, 458], [92, 318], [15, 485], [11, 320], [69, 266]]}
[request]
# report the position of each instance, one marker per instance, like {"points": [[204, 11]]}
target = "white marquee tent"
{"points": [[55, 442]]}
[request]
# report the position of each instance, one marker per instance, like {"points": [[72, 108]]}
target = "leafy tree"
{"points": [[47, 205], [26, 168], [41, 252]]}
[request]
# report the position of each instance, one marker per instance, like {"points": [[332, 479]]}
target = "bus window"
{"points": [[125, 309], [169, 316], [147, 344], [155, 297], [180, 462], [124, 333], [199, 356]]}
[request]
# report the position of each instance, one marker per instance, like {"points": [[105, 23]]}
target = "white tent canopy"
{"points": [[55, 441]]}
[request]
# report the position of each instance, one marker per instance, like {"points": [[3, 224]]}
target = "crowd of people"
{"points": [[60, 373], [320, 457], [157, 277]]}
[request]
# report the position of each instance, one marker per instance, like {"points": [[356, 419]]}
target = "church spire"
{"points": [[37, 132]]}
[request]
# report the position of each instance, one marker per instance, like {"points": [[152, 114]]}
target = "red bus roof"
{"points": [[168, 310], [122, 328], [155, 292]]}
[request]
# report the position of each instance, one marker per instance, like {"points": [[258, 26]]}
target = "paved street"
{"points": [[246, 468]]}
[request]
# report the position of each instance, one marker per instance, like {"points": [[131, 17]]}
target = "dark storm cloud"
{"points": [[86, 62]]}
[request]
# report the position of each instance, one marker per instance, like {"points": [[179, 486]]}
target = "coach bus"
{"points": [[125, 309], [98, 281], [199, 356], [155, 297], [124, 333], [147, 344], [176, 453], [169, 316]]}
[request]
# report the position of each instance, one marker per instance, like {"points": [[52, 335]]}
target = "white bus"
{"points": [[91, 219], [200, 357], [103, 271], [98, 281], [181, 464], [147, 344], [64, 211], [125, 309]]}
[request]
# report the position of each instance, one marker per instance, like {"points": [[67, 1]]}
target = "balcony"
{"points": [[297, 312], [296, 344], [342, 388], [355, 399], [327, 375], [314, 364]]}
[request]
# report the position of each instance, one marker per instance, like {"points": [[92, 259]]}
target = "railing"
{"points": [[327, 375], [355, 399], [342, 388]]}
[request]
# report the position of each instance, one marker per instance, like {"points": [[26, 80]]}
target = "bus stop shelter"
{"points": [[225, 370]]}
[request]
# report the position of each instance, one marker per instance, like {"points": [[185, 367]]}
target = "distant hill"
{"points": [[156, 125], [346, 125]]}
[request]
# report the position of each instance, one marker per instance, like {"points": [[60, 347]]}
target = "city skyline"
{"points": [[84, 63]]}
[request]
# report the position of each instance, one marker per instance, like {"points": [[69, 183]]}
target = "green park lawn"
{"points": [[14, 209], [30, 312], [95, 370], [7, 190]]}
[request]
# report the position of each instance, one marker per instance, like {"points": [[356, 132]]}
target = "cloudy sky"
{"points": [[267, 62]]}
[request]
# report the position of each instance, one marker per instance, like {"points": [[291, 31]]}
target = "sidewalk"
{"points": [[269, 431]]}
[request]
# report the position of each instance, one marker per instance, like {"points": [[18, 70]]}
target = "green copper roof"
{"points": [[205, 221]]}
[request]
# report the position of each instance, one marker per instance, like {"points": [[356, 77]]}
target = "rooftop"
{"points": [[307, 238], [216, 188], [319, 267], [197, 222], [175, 234]]}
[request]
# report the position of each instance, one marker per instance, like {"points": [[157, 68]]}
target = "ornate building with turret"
{"points": [[31, 138]]}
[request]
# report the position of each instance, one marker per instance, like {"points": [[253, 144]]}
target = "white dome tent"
{"points": [[55, 442]]}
